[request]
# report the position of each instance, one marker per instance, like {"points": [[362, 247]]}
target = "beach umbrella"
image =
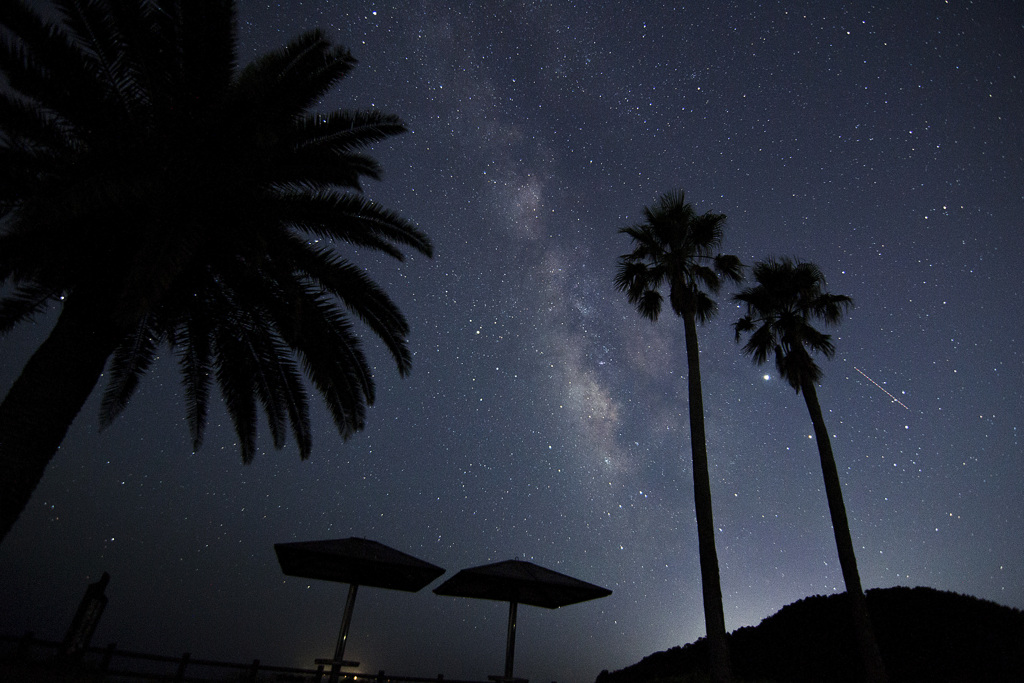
{"points": [[357, 562], [515, 582]]}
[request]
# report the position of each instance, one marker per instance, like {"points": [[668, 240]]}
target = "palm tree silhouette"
{"points": [[780, 308], [160, 195], [675, 246]]}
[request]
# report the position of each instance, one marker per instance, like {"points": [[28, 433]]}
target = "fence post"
{"points": [[108, 654], [180, 676], [319, 673], [25, 646], [104, 665]]}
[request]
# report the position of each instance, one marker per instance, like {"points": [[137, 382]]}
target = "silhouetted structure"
{"points": [[357, 562], [86, 618], [515, 582], [27, 659]]}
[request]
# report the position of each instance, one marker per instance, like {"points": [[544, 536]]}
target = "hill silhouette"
{"points": [[924, 635]]}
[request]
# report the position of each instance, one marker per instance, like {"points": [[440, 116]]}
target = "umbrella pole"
{"points": [[510, 644], [339, 649]]}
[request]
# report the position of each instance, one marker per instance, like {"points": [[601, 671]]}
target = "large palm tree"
{"points": [[675, 247], [157, 194], [780, 309]]}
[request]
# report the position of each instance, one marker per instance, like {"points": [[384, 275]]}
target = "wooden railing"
{"points": [[28, 656]]}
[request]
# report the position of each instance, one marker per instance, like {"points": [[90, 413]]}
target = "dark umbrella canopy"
{"points": [[520, 582], [356, 561], [514, 582]]}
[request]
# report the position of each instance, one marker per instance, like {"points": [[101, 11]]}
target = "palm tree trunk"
{"points": [[44, 400], [714, 614], [871, 657]]}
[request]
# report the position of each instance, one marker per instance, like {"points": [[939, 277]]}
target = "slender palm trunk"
{"points": [[44, 400], [714, 614], [871, 657]]}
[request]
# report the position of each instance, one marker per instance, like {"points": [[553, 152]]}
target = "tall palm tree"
{"points": [[780, 309], [157, 194], [676, 247]]}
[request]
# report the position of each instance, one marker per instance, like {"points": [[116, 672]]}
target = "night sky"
{"points": [[544, 419]]}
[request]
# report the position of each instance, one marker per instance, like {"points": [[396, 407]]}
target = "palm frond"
{"points": [[706, 233], [339, 371], [830, 308], [649, 304], [285, 83], [729, 267], [345, 131], [293, 395], [635, 277], [761, 344], [360, 294], [130, 360], [312, 324], [788, 297], [23, 257], [817, 342], [260, 355], [623, 275], [21, 305], [319, 169], [276, 379], [95, 30], [234, 371], [44, 64], [207, 46], [271, 388], [192, 338], [705, 277], [352, 219], [789, 369], [28, 128], [705, 307], [675, 246], [744, 324]]}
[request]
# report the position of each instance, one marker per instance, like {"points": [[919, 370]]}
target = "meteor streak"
{"points": [[895, 400]]}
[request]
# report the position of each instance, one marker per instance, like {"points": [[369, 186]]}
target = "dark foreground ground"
{"points": [[924, 635]]}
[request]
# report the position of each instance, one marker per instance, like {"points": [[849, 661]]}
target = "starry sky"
{"points": [[544, 419]]}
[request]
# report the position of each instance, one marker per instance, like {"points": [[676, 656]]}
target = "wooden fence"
{"points": [[29, 658]]}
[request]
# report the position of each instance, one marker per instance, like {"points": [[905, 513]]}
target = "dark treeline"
{"points": [[924, 635]]}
